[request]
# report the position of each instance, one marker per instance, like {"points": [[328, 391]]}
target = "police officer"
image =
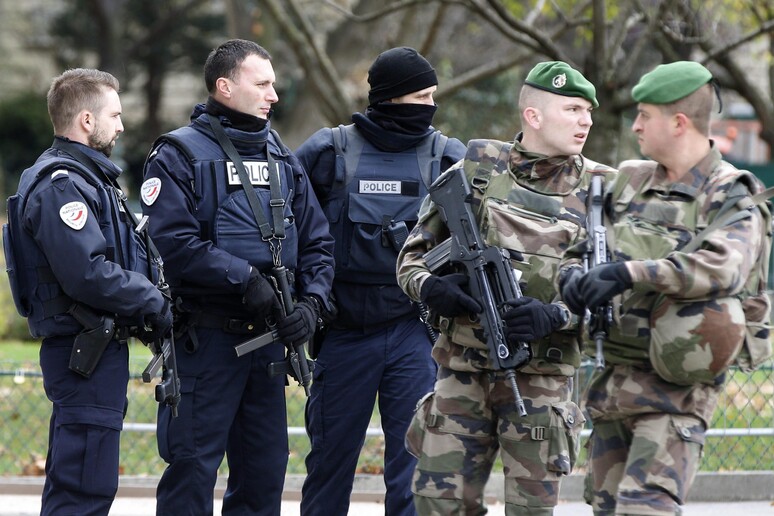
{"points": [[650, 419], [79, 270], [229, 205], [529, 198], [370, 177]]}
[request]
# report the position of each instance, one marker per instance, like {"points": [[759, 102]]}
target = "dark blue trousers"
{"points": [[229, 405], [393, 364], [85, 429]]}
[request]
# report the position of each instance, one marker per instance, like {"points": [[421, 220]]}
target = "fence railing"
{"points": [[741, 438]]}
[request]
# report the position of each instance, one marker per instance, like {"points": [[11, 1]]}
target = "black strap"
{"points": [[277, 203]]}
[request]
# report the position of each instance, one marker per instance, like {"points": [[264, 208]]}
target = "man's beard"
{"points": [[98, 142]]}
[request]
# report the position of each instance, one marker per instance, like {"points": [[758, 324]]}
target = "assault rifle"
{"points": [[167, 391], [296, 364], [596, 254], [491, 279]]}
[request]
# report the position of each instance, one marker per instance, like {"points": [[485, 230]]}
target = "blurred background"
{"points": [[321, 50]]}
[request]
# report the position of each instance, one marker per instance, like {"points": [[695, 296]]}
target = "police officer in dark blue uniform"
{"points": [[78, 270], [228, 205], [371, 177]]}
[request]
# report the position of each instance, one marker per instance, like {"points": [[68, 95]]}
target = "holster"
{"points": [[90, 344]]}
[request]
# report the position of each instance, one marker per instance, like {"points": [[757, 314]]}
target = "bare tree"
{"points": [[612, 43]]}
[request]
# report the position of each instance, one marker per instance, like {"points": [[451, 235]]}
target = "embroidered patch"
{"points": [[150, 190], [74, 214]]}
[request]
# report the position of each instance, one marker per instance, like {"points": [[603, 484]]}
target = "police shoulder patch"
{"points": [[74, 214], [150, 190]]}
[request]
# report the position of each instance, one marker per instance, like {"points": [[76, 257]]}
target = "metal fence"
{"points": [[741, 438]]}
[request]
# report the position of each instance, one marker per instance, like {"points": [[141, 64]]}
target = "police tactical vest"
{"points": [[36, 293], [372, 191], [221, 205]]}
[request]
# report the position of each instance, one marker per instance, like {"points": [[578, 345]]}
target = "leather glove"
{"points": [[445, 296], [571, 293], [530, 319], [259, 296], [603, 282], [299, 325], [157, 325]]}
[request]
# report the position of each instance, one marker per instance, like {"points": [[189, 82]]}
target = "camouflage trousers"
{"points": [[643, 464], [459, 428]]}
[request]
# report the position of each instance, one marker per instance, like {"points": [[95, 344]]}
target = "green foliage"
{"points": [[25, 132]]}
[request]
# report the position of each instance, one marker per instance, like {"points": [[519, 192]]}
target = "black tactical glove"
{"points": [[157, 325], [299, 325], [530, 319], [259, 296], [603, 282], [444, 295], [568, 287]]}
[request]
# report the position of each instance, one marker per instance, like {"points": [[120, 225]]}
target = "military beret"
{"points": [[560, 78], [668, 83]]}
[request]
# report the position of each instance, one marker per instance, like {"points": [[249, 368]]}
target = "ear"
{"points": [[85, 121], [533, 117], [223, 87], [680, 124]]}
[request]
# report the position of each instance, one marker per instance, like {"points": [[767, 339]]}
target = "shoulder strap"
{"points": [[729, 216]]}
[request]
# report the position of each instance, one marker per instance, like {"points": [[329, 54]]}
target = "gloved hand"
{"points": [[444, 295], [571, 295], [299, 325], [603, 282], [530, 319], [157, 325], [259, 296]]}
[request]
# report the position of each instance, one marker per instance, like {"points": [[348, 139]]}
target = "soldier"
{"points": [[377, 346], [81, 279], [650, 418], [221, 231], [529, 196]]}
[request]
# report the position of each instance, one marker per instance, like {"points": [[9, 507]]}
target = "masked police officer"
{"points": [[229, 205], [79, 275], [370, 177]]}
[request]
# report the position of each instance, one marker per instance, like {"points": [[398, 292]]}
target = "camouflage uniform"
{"points": [[648, 433], [535, 205]]}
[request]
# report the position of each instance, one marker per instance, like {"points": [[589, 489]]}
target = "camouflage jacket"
{"points": [[652, 219], [524, 202]]}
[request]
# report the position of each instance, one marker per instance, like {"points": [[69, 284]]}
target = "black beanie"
{"points": [[398, 71]]}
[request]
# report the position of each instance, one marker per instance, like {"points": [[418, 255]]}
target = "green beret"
{"points": [[558, 77], [668, 83]]}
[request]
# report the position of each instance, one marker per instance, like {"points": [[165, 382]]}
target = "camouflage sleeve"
{"points": [[429, 231], [719, 268]]}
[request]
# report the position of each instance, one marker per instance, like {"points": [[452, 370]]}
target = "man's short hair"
{"points": [[697, 106], [532, 97], [76, 90], [225, 60]]}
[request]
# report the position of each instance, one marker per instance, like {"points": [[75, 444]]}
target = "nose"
{"points": [[120, 128], [271, 95], [636, 125], [586, 119]]}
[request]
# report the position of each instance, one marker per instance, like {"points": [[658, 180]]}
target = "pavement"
{"points": [[732, 494], [28, 505]]}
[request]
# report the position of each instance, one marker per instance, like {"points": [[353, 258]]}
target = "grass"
{"points": [[747, 402]]}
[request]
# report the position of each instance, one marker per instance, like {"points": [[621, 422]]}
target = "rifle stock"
{"points": [[491, 278]]}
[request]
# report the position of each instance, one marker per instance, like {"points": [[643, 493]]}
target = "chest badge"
{"points": [[150, 190], [74, 214]]}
